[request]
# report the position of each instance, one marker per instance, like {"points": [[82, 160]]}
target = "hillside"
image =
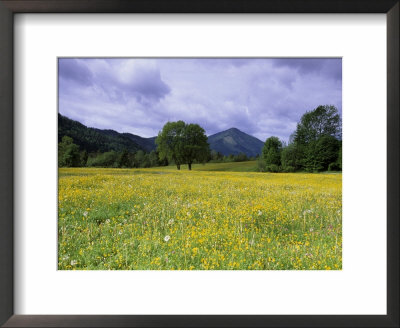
{"points": [[148, 144], [234, 141], [95, 140]]}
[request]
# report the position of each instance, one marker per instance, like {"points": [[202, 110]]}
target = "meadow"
{"points": [[210, 218]]}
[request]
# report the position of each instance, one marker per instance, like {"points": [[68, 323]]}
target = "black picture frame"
{"points": [[10, 7]]}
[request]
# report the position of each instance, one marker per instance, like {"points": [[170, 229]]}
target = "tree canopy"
{"points": [[272, 153], [316, 145], [170, 143], [196, 147], [322, 121], [183, 144], [317, 139], [68, 153]]}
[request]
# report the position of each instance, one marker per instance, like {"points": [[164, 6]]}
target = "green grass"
{"points": [[250, 166]]}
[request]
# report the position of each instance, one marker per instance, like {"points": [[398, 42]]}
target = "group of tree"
{"points": [[95, 140], [70, 155], [217, 157], [315, 146], [178, 143], [183, 143]]}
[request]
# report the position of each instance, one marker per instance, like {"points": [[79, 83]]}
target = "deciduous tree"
{"points": [[182, 143], [272, 153], [68, 153], [170, 143], [196, 147]]}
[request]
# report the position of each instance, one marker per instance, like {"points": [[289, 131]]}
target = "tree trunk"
{"points": [[190, 166], [178, 166]]}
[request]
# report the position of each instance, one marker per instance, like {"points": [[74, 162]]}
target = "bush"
{"points": [[272, 168], [240, 158], [271, 151], [288, 169], [289, 156], [68, 153], [261, 165], [109, 159], [334, 167]]}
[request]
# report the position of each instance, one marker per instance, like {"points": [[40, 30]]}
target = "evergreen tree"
{"points": [[123, 160]]}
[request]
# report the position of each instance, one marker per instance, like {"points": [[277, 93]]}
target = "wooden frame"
{"points": [[9, 7]]}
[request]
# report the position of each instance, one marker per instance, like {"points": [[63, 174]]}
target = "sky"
{"points": [[260, 96]]}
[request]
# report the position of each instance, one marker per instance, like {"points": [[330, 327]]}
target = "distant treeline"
{"points": [[217, 157], [315, 146], [70, 155]]}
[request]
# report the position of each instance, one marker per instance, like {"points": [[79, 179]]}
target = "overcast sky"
{"points": [[262, 97]]}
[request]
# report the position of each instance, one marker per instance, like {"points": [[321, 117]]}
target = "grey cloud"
{"points": [[262, 97], [74, 70], [120, 79], [146, 83], [331, 67]]}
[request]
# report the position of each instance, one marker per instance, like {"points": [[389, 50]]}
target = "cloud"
{"points": [[74, 70], [262, 97], [139, 78], [329, 67]]}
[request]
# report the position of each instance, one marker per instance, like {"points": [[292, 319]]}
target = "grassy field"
{"points": [[249, 166], [161, 218]]}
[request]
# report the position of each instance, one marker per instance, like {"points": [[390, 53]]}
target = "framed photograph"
{"points": [[203, 175], [197, 164]]}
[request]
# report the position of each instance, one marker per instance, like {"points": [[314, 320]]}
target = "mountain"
{"points": [[96, 140], [234, 141], [148, 144]]}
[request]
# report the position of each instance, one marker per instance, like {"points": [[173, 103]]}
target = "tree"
{"points": [[170, 143], [131, 160], [216, 156], [196, 147], [272, 153], [317, 138], [339, 159], [68, 153], [146, 161], [107, 159], [182, 143], [321, 153], [289, 158], [261, 164], [139, 158], [324, 120], [241, 157], [153, 158], [83, 157], [123, 159]]}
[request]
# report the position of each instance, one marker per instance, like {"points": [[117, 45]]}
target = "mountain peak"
{"points": [[233, 129], [233, 141]]}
